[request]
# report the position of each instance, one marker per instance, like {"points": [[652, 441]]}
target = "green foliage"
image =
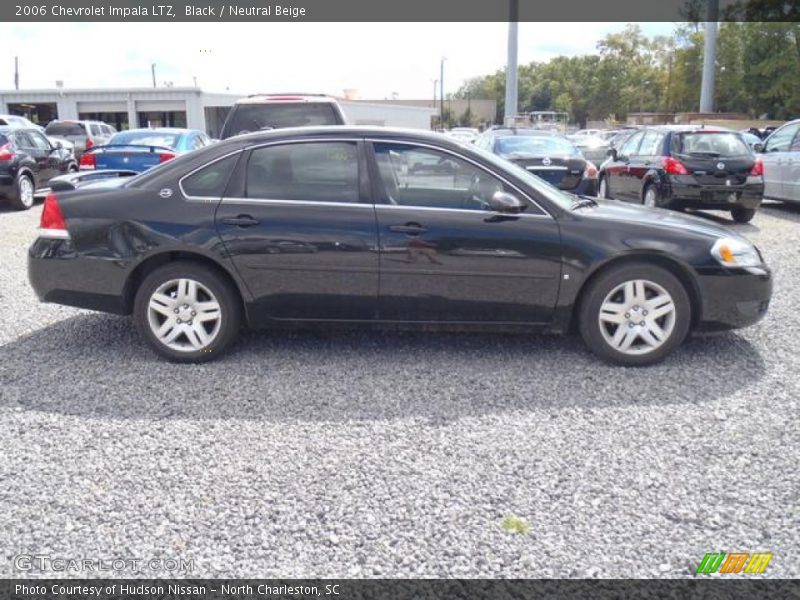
{"points": [[513, 524], [757, 73]]}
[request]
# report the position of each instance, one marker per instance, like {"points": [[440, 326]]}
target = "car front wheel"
{"points": [[634, 314], [187, 312]]}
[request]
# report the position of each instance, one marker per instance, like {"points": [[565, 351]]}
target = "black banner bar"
{"points": [[711, 588], [393, 10]]}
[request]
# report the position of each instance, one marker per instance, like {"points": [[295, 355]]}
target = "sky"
{"points": [[378, 60]]}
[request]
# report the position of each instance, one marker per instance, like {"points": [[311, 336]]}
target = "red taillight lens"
{"points": [[758, 168], [6, 152], [89, 143], [674, 167], [88, 161], [591, 171], [52, 217], [165, 156]]}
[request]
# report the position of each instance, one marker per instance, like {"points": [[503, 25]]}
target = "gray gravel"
{"points": [[352, 454]]}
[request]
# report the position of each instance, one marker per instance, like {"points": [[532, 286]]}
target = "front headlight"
{"points": [[731, 252]]}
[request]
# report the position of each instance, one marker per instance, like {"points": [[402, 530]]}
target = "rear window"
{"points": [[146, 138], [712, 144], [65, 129], [519, 145], [255, 117]]}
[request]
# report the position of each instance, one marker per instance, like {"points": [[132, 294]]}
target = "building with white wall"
{"points": [[175, 107]]}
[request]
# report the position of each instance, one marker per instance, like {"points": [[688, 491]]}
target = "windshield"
{"points": [[713, 144], [534, 145], [146, 138], [255, 117], [551, 192]]}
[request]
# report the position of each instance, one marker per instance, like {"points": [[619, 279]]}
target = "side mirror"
{"points": [[758, 147], [612, 152], [506, 203]]}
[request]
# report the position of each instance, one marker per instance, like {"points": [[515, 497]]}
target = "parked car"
{"points": [[584, 133], [780, 153], [261, 112], [140, 149], [685, 167], [27, 163], [18, 121], [593, 147], [81, 134], [549, 155], [463, 134], [326, 224]]}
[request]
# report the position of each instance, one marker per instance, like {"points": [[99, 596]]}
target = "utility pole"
{"points": [[153, 71], [441, 93], [16, 72], [709, 59], [512, 96]]}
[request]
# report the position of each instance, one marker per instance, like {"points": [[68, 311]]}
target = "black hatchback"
{"points": [[685, 167]]}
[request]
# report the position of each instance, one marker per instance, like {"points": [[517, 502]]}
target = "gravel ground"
{"points": [[356, 454]]}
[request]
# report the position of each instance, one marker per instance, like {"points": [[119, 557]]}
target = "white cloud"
{"points": [[374, 58]]}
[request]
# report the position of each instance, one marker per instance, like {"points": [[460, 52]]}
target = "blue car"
{"points": [[140, 149]]}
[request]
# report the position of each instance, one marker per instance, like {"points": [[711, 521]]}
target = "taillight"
{"points": [[52, 222], [165, 156], [89, 143], [758, 168], [674, 167], [591, 171], [88, 161], [6, 152]]}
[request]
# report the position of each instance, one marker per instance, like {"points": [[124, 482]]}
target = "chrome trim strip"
{"points": [[229, 200], [465, 158], [490, 213], [54, 234]]}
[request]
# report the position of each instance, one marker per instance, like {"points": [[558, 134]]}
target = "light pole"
{"points": [[511, 64], [709, 59], [153, 72], [441, 92]]}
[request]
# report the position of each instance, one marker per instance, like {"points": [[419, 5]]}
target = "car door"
{"points": [[791, 183], [301, 230], [444, 256], [37, 157], [642, 161], [617, 171], [776, 161], [51, 161]]}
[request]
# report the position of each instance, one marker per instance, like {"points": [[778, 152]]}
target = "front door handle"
{"points": [[409, 229], [240, 221]]}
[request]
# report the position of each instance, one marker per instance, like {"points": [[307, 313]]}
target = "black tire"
{"points": [[651, 189], [602, 188], [17, 197], [743, 215], [604, 283], [224, 293]]}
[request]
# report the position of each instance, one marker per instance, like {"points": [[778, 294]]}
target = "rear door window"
{"points": [[210, 181], [651, 144]]}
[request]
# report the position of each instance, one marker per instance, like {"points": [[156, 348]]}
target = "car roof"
{"points": [[175, 130], [525, 131], [285, 98]]}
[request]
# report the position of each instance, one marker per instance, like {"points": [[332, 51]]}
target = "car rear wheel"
{"points": [[22, 196], [187, 312], [743, 215], [650, 196], [634, 314]]}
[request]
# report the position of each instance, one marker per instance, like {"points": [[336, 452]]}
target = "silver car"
{"points": [[781, 157]]}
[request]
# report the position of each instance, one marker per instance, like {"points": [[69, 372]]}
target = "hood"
{"points": [[614, 210]]}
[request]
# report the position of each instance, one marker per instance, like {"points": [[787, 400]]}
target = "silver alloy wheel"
{"points": [[637, 317], [650, 197], [184, 315], [603, 188], [26, 191]]}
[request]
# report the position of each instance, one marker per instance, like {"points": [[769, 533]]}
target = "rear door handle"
{"points": [[240, 221], [409, 229]]}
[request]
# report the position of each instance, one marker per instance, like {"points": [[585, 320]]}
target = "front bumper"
{"points": [[733, 298], [684, 191], [57, 273]]}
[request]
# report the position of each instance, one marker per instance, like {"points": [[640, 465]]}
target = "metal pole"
{"points": [[441, 93], [709, 59], [511, 64], [153, 71], [16, 72]]}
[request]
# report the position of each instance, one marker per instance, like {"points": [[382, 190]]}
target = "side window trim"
{"points": [[377, 186]]}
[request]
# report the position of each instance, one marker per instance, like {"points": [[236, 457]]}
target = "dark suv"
{"points": [[685, 167], [261, 112]]}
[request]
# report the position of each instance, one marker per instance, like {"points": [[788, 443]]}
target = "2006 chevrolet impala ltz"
{"points": [[373, 225]]}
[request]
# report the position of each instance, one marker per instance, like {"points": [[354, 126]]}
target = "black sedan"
{"points": [[686, 167], [547, 154], [333, 225], [28, 161]]}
